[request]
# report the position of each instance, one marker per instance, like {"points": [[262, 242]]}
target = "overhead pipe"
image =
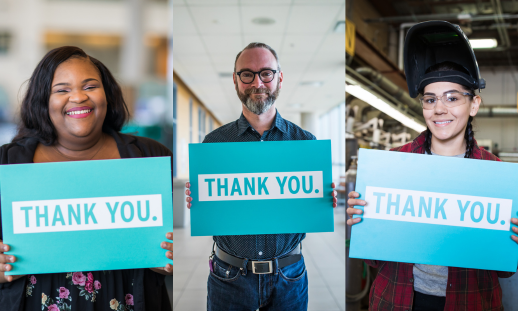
{"points": [[502, 31], [504, 37], [427, 17], [496, 112], [392, 89]]}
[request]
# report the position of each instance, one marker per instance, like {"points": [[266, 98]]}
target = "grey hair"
{"points": [[254, 45]]}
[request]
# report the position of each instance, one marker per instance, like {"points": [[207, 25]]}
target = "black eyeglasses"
{"points": [[247, 76]]}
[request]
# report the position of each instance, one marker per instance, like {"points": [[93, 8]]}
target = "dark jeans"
{"points": [[229, 290], [424, 302]]}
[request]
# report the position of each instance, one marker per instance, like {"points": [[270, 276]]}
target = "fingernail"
{"points": [[7, 267], [164, 245], [169, 236]]}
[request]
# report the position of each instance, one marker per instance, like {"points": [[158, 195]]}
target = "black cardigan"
{"points": [[11, 294]]}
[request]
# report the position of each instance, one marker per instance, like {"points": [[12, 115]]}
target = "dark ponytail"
{"points": [[470, 139], [428, 141], [469, 135]]}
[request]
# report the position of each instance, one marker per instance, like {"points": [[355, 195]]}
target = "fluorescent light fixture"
{"points": [[312, 83], [385, 107], [483, 43], [263, 21]]}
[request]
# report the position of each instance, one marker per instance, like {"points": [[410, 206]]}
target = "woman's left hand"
{"points": [[168, 269], [334, 193], [514, 221]]}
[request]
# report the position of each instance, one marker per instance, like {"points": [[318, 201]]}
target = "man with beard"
{"points": [[250, 272]]}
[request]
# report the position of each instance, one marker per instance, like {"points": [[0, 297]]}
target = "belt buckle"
{"points": [[270, 270]]}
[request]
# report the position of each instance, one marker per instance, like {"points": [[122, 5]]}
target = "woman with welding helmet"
{"points": [[441, 67]]}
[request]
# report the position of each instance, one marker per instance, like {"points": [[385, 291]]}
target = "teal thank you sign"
{"points": [[436, 210], [86, 215], [261, 187]]}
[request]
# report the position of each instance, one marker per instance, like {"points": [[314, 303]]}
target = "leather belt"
{"points": [[261, 267]]}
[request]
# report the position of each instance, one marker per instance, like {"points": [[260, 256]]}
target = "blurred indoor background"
{"points": [[181, 105], [129, 36], [309, 37], [381, 114]]}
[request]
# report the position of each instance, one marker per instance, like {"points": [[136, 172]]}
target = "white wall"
{"points": [[503, 131], [500, 87]]}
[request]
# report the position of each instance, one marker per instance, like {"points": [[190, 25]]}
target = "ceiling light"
{"points": [[385, 107], [312, 83], [483, 43], [263, 21], [225, 74]]}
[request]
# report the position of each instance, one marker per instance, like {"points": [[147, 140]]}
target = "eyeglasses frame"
{"points": [[437, 98], [258, 73]]}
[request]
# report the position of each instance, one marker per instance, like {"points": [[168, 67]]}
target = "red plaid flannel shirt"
{"points": [[467, 289]]}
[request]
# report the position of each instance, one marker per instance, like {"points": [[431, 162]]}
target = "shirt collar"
{"points": [[279, 122], [418, 146]]}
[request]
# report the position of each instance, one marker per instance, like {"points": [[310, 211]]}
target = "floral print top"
{"points": [[96, 290]]}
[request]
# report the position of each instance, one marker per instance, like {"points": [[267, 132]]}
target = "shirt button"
{"points": [[411, 280], [260, 253]]}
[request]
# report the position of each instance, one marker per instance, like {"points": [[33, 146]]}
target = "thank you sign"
{"points": [[435, 210], [260, 186], [290, 181], [98, 209]]}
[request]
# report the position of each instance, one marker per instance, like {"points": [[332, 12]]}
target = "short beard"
{"points": [[258, 107]]}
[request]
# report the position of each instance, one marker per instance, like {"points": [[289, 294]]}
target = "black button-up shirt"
{"points": [[262, 246]]}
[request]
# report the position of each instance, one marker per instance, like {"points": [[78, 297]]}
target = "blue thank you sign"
{"points": [[86, 215], [261, 187], [436, 210]]}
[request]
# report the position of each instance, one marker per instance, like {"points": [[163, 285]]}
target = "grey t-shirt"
{"points": [[431, 279]]}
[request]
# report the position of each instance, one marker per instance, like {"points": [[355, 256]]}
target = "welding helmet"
{"points": [[433, 42]]}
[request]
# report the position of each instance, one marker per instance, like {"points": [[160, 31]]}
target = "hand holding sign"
{"points": [[189, 199], [515, 229], [351, 211], [4, 266], [168, 269]]}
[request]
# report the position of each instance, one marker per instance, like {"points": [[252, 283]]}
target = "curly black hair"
{"points": [[34, 111]]}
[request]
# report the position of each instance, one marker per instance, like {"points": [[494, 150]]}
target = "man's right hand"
{"points": [[4, 264], [354, 211], [188, 193]]}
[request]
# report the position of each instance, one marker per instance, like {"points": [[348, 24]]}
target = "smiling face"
{"points": [[449, 123], [77, 103], [257, 96]]}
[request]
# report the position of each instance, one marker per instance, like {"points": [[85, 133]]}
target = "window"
{"points": [[190, 120], [174, 129], [332, 126], [201, 124]]}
